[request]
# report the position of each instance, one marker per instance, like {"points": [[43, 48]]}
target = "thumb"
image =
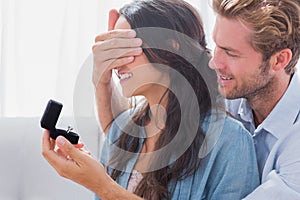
{"points": [[112, 19], [66, 147]]}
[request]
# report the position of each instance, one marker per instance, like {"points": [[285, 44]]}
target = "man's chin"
{"points": [[228, 95]]}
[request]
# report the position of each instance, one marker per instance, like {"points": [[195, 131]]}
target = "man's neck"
{"points": [[263, 103]]}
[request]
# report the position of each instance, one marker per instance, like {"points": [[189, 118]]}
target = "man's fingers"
{"points": [[61, 153], [118, 33], [112, 54], [46, 141], [112, 19], [121, 62], [117, 43], [48, 152], [68, 149], [103, 76], [79, 145]]}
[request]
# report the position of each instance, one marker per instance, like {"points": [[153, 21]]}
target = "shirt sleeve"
{"points": [[283, 180], [113, 134]]}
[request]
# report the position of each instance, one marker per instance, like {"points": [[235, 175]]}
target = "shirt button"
{"points": [[255, 141]]}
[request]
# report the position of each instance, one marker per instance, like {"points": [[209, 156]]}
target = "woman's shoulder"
{"points": [[119, 124], [225, 124], [124, 123], [118, 127], [222, 131], [236, 129], [235, 132]]}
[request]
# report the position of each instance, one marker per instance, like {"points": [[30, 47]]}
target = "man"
{"points": [[257, 48], [256, 66]]}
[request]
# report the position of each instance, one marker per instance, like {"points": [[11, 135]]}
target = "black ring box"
{"points": [[49, 120]]}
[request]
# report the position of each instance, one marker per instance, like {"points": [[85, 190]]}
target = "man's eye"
{"points": [[231, 55]]}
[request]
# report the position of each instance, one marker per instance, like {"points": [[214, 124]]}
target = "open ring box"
{"points": [[49, 120]]}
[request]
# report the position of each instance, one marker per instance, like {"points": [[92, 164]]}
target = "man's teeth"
{"points": [[125, 76], [225, 78]]}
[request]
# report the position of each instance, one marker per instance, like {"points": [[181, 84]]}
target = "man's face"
{"points": [[240, 70]]}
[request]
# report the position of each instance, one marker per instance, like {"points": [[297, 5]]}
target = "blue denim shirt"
{"points": [[277, 143], [228, 170]]}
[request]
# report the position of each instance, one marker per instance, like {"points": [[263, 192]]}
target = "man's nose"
{"points": [[217, 61]]}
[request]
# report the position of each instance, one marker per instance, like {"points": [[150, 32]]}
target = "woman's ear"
{"points": [[281, 59], [174, 44]]}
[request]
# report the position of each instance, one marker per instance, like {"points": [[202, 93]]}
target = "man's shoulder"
{"points": [[292, 138]]}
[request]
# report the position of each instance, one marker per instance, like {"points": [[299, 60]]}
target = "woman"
{"points": [[176, 143]]}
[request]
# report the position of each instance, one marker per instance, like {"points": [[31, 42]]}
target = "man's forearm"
{"points": [[103, 95], [110, 103]]}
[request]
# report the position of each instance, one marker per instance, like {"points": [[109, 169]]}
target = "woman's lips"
{"points": [[124, 75]]}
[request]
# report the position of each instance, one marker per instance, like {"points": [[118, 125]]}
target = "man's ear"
{"points": [[112, 19], [282, 59]]}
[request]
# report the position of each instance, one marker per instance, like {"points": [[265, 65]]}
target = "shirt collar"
{"points": [[245, 111], [284, 114]]}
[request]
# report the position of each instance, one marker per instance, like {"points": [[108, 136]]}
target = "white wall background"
{"points": [[43, 44]]}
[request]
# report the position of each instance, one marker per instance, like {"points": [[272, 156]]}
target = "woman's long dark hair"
{"points": [[181, 17]]}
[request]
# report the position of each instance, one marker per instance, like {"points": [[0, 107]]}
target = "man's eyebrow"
{"points": [[230, 49], [227, 48]]}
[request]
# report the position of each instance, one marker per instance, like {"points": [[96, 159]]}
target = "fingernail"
{"points": [[130, 58], [131, 33], [60, 141], [137, 41], [137, 51]]}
